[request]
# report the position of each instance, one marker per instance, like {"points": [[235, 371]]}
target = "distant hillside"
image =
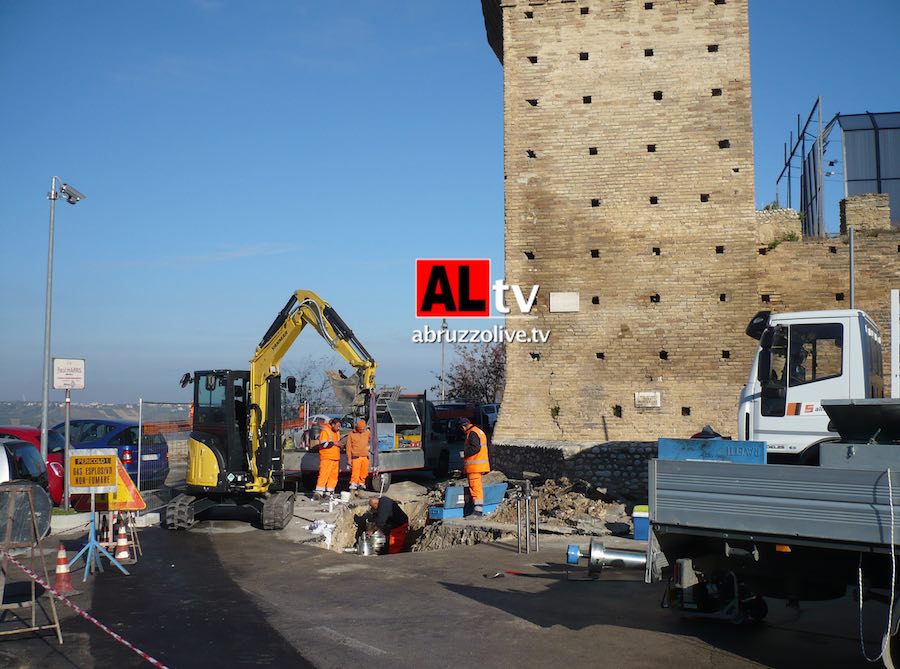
{"points": [[29, 413]]}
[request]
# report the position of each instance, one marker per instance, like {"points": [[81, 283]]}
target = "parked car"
{"points": [[489, 414], [55, 454], [123, 435], [20, 462]]}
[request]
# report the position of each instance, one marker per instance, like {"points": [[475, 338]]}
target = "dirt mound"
{"points": [[573, 503], [440, 536]]}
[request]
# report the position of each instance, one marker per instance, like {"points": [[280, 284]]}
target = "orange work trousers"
{"points": [[359, 470], [397, 539], [476, 490], [328, 475]]}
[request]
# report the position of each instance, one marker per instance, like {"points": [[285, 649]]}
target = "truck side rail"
{"points": [[841, 505]]}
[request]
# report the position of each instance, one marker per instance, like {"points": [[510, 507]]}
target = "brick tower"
{"points": [[629, 181]]}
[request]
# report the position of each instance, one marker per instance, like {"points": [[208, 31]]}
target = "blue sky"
{"points": [[232, 152]]}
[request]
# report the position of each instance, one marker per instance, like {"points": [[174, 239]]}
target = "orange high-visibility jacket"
{"points": [[479, 462], [358, 444], [333, 453]]}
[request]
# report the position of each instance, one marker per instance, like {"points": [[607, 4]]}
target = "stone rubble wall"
{"points": [[777, 225], [618, 467]]}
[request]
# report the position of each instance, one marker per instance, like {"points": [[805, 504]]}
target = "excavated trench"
{"points": [[570, 507]]}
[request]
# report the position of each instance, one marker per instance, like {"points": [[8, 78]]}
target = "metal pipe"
{"points": [[527, 526], [820, 176], [518, 524], [537, 531], [65, 499], [45, 387], [140, 442], [895, 342], [616, 557], [599, 557], [852, 281]]}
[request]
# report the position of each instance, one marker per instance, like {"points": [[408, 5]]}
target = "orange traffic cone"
{"points": [[63, 584], [123, 555]]}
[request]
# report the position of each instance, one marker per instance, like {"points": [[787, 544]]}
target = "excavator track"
{"points": [[277, 511], [180, 513]]}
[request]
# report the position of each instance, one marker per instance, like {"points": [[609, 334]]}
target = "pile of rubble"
{"points": [[439, 536], [573, 504], [566, 506]]}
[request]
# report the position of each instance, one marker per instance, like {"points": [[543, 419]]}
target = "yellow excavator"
{"points": [[235, 445]]}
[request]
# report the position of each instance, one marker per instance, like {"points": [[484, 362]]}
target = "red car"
{"points": [[56, 446]]}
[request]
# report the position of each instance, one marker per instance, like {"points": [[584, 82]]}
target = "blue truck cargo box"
{"points": [[713, 450]]}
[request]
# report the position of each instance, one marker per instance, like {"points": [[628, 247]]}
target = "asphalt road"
{"points": [[228, 595]]}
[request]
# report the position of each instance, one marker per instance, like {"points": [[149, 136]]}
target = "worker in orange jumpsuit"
{"points": [[358, 455], [475, 462], [329, 459], [392, 520]]}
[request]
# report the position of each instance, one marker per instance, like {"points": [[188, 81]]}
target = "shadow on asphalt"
{"points": [[621, 599], [164, 609]]}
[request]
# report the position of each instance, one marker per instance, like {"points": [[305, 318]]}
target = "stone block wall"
{"points": [[867, 213], [618, 467]]}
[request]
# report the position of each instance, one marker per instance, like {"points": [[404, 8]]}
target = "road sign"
{"points": [[68, 373], [126, 497], [92, 470]]}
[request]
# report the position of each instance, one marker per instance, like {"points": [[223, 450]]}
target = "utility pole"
{"points": [[443, 343]]}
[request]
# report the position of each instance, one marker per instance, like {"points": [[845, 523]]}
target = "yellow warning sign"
{"points": [[92, 471]]}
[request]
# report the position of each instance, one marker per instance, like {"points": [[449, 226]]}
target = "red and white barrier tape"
{"points": [[81, 612]]}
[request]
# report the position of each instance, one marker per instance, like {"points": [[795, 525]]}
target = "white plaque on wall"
{"points": [[648, 399], [564, 302]]}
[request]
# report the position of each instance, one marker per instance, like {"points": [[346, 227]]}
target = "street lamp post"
{"points": [[443, 338], [72, 197]]}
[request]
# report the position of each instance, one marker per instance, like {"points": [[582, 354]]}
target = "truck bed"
{"points": [[786, 501]]}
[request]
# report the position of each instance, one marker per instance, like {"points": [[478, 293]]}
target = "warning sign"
{"points": [[126, 497], [92, 470]]}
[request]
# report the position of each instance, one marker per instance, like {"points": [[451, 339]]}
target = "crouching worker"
{"points": [[358, 455], [392, 520], [475, 462], [329, 459]]}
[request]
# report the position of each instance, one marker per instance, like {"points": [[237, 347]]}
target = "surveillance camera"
{"points": [[72, 195]]}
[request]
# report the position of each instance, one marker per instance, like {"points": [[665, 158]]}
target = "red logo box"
{"points": [[454, 288]]}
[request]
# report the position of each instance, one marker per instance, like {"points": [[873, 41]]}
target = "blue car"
{"points": [[123, 435]]}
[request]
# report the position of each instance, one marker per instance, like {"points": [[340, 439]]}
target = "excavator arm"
{"points": [[304, 308]]}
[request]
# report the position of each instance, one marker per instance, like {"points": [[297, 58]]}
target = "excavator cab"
{"points": [[220, 427]]}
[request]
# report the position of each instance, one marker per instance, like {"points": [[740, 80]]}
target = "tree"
{"points": [[313, 386], [477, 375]]}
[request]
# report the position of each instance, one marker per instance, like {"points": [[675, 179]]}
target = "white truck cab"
{"points": [[803, 358]]}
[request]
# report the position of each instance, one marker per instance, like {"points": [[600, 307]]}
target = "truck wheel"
{"points": [[756, 609], [379, 482]]}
